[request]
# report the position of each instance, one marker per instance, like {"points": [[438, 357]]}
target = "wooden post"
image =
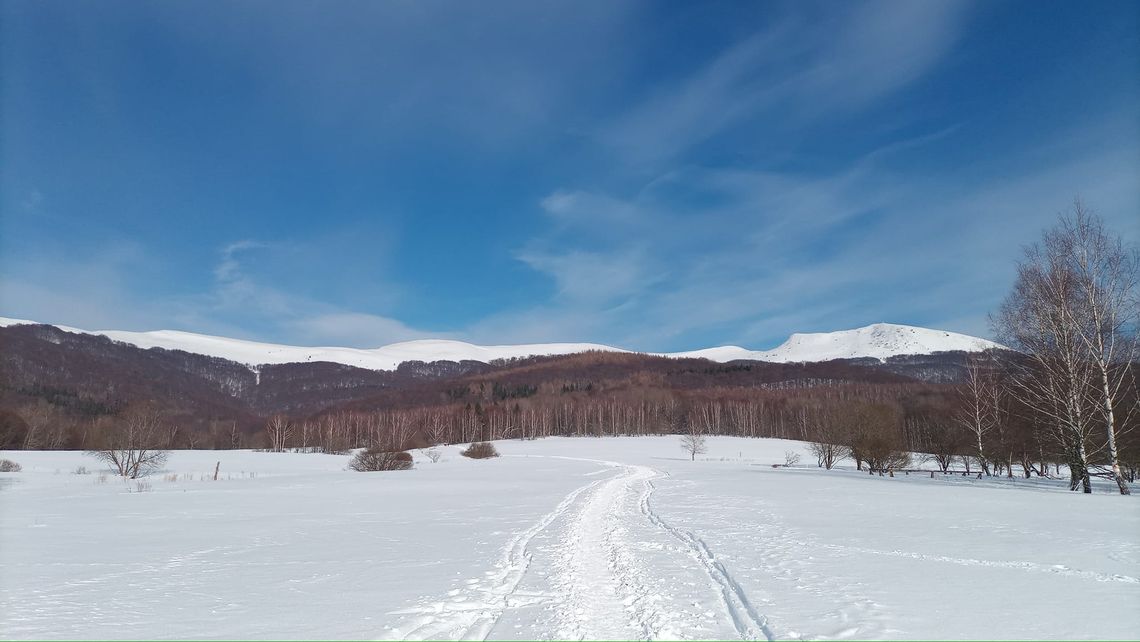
{"points": [[216, 467]]}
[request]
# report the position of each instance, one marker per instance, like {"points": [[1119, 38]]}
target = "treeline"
{"points": [[979, 425]]}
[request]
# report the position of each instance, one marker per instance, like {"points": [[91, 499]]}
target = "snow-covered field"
{"points": [[559, 538]]}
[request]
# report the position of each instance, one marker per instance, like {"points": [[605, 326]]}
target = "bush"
{"points": [[9, 466], [374, 459], [481, 450]]}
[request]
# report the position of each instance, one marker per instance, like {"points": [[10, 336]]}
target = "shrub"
{"points": [[81, 470], [374, 459], [481, 450], [791, 458], [9, 466]]}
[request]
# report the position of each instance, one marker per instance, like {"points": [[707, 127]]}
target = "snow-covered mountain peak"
{"points": [[878, 341]]}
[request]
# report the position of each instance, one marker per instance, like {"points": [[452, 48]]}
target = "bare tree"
{"points": [[1074, 311], [876, 438], [434, 427], [1104, 313], [129, 446], [978, 412], [278, 429], [943, 440], [824, 428], [693, 441], [828, 454], [39, 418]]}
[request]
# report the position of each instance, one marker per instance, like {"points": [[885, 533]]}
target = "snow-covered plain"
{"points": [[878, 341], [613, 538]]}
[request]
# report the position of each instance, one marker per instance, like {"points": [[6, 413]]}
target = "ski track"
{"points": [[470, 614], [599, 587], [595, 592], [749, 624]]}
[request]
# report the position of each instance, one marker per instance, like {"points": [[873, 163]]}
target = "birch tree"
{"points": [[1048, 317], [1104, 313], [976, 412], [693, 441], [278, 429]]}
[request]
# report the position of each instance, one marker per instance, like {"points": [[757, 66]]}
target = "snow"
{"points": [[877, 341], [609, 538]]}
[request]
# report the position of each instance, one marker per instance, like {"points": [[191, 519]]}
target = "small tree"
{"points": [[826, 454], [433, 454], [944, 440], [129, 446], [693, 441], [824, 426]]}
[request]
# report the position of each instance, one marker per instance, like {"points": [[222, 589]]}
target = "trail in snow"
{"points": [[749, 624], [469, 613], [602, 565], [604, 588]]}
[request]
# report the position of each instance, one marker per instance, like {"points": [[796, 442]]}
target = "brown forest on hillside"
{"points": [[61, 390]]}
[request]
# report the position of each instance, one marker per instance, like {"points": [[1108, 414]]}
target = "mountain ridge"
{"points": [[876, 341]]}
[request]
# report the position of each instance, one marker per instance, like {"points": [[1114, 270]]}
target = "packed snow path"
{"points": [[592, 569]]}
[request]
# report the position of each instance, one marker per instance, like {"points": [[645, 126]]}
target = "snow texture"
{"points": [[560, 538], [877, 341]]}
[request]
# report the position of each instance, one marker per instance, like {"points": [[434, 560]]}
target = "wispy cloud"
{"points": [[793, 72], [760, 254], [102, 291]]}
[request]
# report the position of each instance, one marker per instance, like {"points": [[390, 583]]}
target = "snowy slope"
{"points": [[878, 341], [382, 358]]}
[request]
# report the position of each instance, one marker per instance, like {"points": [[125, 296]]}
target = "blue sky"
{"points": [[654, 175]]}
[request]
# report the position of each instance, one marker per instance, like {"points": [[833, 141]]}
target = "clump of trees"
{"points": [[480, 450], [374, 459]]}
